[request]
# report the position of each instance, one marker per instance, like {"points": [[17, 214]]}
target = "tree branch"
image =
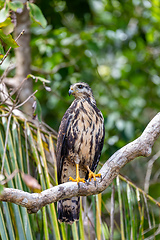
{"points": [[142, 146]]}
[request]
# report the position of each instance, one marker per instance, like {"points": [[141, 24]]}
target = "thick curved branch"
{"points": [[142, 146]]}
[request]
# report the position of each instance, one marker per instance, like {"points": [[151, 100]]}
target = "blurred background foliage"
{"points": [[114, 46]]}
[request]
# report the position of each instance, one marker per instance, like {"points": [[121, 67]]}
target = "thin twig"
{"points": [[5, 97], [156, 175], [26, 143], [4, 115], [9, 177], [112, 211], [54, 70], [6, 140], [147, 210], [48, 127], [149, 171], [5, 56], [122, 177], [26, 100], [7, 70], [139, 189], [18, 88], [11, 47], [108, 211], [157, 232]]}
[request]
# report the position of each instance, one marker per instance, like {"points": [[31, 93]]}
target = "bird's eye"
{"points": [[80, 86]]}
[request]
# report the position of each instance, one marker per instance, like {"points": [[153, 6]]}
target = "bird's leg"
{"points": [[92, 175], [77, 179]]}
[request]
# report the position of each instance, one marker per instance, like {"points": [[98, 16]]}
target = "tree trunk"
{"points": [[23, 57]]}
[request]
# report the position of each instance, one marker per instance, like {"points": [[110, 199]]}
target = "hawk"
{"points": [[79, 145]]}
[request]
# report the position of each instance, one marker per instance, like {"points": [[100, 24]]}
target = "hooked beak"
{"points": [[70, 92]]}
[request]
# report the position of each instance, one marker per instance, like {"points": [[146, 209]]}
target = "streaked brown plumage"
{"points": [[79, 145]]}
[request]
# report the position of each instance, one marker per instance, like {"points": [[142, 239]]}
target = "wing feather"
{"points": [[100, 136], [62, 149], [98, 151]]}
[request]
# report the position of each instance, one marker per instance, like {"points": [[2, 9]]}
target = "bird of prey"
{"points": [[79, 145]]}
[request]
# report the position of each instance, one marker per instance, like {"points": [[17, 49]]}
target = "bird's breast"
{"points": [[85, 131]]}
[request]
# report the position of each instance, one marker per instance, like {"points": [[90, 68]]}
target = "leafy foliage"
{"points": [[113, 46], [25, 150], [36, 14], [6, 25]]}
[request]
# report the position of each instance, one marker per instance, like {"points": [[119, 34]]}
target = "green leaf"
{"points": [[21, 138], [9, 166], [36, 78], [1, 188], [120, 208], [36, 14], [4, 234], [3, 14], [8, 40], [7, 26], [81, 227], [46, 173], [6, 22], [8, 29], [16, 6], [74, 231], [9, 221], [1, 51], [130, 197]]}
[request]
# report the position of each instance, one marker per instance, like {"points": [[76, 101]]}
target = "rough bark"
{"points": [[23, 57], [142, 146]]}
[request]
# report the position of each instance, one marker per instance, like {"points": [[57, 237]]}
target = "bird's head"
{"points": [[81, 90]]}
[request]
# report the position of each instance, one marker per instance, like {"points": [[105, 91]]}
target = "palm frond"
{"points": [[25, 148]]}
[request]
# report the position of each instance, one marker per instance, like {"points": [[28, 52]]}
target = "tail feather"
{"points": [[68, 210]]}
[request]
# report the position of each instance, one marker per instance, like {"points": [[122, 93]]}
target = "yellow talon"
{"points": [[92, 175], [77, 179]]}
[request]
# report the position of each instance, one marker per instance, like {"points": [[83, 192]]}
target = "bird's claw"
{"points": [[78, 180], [93, 175], [87, 182], [101, 177]]}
